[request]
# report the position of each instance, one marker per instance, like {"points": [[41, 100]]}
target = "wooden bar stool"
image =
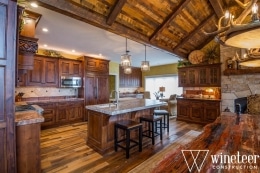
{"points": [[152, 123], [127, 126], [166, 117]]}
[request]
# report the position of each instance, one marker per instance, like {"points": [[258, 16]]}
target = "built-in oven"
{"points": [[70, 82]]}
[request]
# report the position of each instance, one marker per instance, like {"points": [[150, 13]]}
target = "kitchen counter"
{"points": [[101, 120], [29, 116], [197, 98], [126, 106], [53, 100], [225, 138]]}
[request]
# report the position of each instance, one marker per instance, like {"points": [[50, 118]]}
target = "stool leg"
{"points": [[153, 133], [140, 139], [115, 132], [168, 117], [127, 143], [160, 129]]}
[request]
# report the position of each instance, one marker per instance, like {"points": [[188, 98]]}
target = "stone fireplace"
{"points": [[236, 86]]}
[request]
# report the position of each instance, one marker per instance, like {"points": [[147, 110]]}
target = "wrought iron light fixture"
{"points": [[233, 33], [236, 34], [125, 58], [145, 66]]}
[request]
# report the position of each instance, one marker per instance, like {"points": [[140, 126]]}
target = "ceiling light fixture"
{"points": [[33, 4], [126, 58], [45, 30], [145, 66], [233, 33]]}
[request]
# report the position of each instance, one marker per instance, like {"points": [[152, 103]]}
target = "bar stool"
{"points": [[166, 117], [127, 126], [152, 121]]}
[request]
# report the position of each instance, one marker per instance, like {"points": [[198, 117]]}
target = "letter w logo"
{"points": [[198, 157]]}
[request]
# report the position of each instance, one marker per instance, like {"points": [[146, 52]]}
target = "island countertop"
{"points": [[126, 106]]}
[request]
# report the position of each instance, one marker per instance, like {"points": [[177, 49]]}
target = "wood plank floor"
{"points": [[64, 149]]}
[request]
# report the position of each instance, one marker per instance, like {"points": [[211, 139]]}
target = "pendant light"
{"points": [[145, 64], [125, 58], [128, 70]]}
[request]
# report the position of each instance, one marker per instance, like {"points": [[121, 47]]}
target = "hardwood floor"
{"points": [[64, 149]]}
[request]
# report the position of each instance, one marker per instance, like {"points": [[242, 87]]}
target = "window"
{"points": [[152, 84]]}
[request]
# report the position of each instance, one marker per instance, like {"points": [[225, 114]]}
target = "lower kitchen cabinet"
{"points": [[198, 110], [61, 113]]}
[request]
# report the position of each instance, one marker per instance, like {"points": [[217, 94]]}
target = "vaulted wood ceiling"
{"points": [[173, 25]]}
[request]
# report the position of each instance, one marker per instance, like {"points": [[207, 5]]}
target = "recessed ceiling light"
{"points": [[45, 30], [45, 45], [100, 54], [33, 4], [73, 50]]}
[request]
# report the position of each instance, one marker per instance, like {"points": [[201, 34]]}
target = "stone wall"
{"points": [[236, 86]]}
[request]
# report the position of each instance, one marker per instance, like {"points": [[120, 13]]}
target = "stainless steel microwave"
{"points": [[70, 82]]}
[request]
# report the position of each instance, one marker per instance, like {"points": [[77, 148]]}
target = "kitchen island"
{"points": [[101, 120]]}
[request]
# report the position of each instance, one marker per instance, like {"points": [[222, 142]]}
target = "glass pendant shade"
{"points": [[128, 70], [145, 66], [125, 60]]}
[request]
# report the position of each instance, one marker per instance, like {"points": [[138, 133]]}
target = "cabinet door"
{"points": [[50, 76], [64, 67], [90, 90], [76, 68], [196, 113], [203, 77], [63, 113], [183, 76], [214, 76], [103, 90], [76, 111], [70, 68], [211, 111], [35, 76], [192, 77], [183, 110]]}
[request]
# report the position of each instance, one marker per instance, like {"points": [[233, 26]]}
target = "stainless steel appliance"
{"points": [[70, 82]]}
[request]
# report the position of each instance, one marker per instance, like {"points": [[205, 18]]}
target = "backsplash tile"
{"points": [[46, 92]]}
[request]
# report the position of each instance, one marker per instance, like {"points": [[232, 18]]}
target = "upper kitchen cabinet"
{"points": [[44, 73], [69, 67], [200, 76], [96, 65], [130, 80]]}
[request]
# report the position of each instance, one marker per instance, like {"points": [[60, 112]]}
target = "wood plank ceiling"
{"points": [[173, 25]]}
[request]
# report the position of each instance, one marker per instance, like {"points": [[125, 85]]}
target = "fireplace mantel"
{"points": [[228, 72]]}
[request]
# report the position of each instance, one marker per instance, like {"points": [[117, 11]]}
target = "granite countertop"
{"points": [[54, 100], [28, 117], [197, 98], [126, 106]]}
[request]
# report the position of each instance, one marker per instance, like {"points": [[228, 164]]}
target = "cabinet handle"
{"points": [[95, 92]]}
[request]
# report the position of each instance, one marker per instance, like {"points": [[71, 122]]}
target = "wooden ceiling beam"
{"points": [[217, 7], [169, 19], [79, 13], [115, 11], [203, 23]]}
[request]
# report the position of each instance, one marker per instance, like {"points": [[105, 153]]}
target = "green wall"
{"points": [[161, 70], [113, 68]]}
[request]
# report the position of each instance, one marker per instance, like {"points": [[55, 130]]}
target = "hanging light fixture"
{"points": [[128, 70], [145, 64], [125, 58]]}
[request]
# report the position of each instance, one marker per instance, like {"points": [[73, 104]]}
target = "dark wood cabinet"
{"points": [[48, 114], [198, 111], [130, 80], [200, 76], [44, 73], [96, 65], [61, 112], [70, 67]]}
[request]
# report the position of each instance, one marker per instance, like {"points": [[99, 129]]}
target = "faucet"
{"points": [[116, 97]]}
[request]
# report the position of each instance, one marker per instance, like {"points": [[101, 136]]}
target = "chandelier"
{"points": [[145, 66], [235, 34], [128, 70], [125, 58]]}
